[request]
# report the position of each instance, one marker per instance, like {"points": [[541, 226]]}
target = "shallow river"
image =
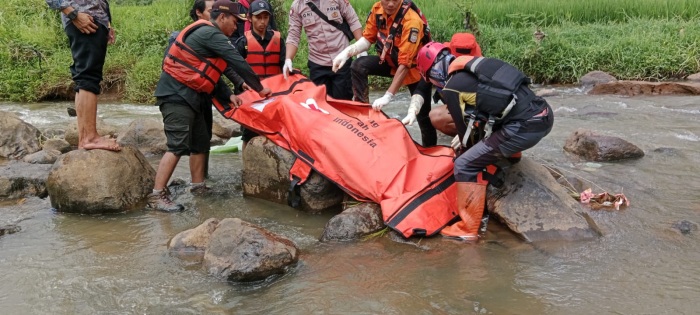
{"points": [[119, 264]]}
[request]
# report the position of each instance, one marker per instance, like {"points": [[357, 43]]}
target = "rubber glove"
{"points": [[456, 143], [416, 103], [362, 54], [380, 102], [350, 51], [287, 68]]}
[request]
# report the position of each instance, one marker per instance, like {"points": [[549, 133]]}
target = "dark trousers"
{"points": [[89, 52], [511, 138], [338, 84], [363, 67]]}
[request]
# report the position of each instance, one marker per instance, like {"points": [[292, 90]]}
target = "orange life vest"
{"points": [[265, 61], [188, 67], [370, 156]]}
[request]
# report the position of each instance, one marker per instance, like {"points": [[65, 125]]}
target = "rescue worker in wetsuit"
{"points": [[191, 74], [262, 48], [397, 48], [517, 117]]}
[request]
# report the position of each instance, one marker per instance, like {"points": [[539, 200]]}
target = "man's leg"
{"points": [[166, 167], [442, 120], [360, 70], [427, 131], [89, 52], [341, 83]]}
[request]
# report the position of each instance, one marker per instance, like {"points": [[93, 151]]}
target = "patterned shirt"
{"points": [[98, 9]]}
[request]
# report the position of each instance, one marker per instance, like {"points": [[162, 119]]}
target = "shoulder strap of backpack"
{"points": [[343, 27]]}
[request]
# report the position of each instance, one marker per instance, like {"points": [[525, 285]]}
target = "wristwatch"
{"points": [[72, 15]]}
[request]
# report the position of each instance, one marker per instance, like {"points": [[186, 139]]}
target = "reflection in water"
{"points": [[68, 264]]}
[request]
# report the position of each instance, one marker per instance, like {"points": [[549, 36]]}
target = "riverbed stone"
{"points": [[17, 138], [594, 147], [239, 251], [60, 145], [194, 241], [596, 77], [9, 229], [103, 128], [685, 227], [146, 134], [694, 77], [266, 176], [632, 88], [536, 208], [43, 157], [20, 179], [225, 128], [100, 181], [354, 223]]}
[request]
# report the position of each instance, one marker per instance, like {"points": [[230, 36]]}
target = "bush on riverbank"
{"points": [[646, 39]]}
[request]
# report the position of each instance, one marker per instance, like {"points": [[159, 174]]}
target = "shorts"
{"points": [[89, 52], [185, 130]]}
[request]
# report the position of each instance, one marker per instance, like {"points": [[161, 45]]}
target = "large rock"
{"points": [[240, 251], [595, 78], [354, 223], [195, 240], [145, 134], [104, 129], [594, 147], [534, 206], [17, 138], [100, 181], [20, 179], [632, 88], [694, 77], [266, 175]]}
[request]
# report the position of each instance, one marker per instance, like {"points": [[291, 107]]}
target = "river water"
{"points": [[119, 264]]}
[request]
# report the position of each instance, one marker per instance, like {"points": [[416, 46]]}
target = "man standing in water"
{"points": [[191, 75], [88, 26]]}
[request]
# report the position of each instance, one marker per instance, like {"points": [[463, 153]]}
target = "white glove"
{"points": [[287, 68], [416, 103], [380, 102], [456, 144], [350, 51], [362, 54]]}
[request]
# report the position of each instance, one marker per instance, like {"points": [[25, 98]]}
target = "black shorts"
{"points": [[185, 130], [89, 52]]}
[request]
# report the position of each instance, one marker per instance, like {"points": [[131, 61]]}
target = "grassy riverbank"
{"points": [[644, 39]]}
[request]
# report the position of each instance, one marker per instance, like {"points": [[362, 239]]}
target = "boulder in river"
{"points": [[600, 148], [17, 138]]}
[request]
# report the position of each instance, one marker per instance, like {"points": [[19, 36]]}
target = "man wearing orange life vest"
{"points": [[495, 95], [262, 48], [191, 74], [398, 30]]}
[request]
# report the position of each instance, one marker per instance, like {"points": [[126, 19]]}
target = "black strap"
{"points": [[343, 27]]}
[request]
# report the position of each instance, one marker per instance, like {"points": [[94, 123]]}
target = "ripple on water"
{"points": [[689, 136]]}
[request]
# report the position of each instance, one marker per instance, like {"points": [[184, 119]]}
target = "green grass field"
{"points": [[643, 39]]}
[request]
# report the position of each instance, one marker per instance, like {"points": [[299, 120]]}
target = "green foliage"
{"points": [[631, 39]]}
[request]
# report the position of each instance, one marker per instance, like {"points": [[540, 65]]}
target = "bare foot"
{"points": [[102, 144]]}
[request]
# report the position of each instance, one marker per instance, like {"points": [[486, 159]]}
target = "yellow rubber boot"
{"points": [[471, 198]]}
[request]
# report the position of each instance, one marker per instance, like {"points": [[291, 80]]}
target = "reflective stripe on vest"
{"points": [[188, 67], [265, 61]]}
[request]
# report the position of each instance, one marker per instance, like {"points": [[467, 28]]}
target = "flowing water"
{"points": [[119, 264]]}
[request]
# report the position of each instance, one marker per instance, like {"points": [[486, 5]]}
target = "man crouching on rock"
{"points": [[191, 75]]}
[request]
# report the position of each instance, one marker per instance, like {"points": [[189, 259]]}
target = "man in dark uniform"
{"points": [[191, 73]]}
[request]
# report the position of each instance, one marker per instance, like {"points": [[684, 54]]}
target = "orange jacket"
{"points": [[189, 68], [406, 44], [265, 61]]}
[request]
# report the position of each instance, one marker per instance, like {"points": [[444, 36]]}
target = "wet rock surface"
{"points": [[600, 148], [145, 134], [9, 229], [17, 138], [59, 145], [21, 179], [596, 77], [239, 251], [534, 206], [632, 88], [266, 175], [354, 223], [99, 181], [685, 227], [42, 157]]}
